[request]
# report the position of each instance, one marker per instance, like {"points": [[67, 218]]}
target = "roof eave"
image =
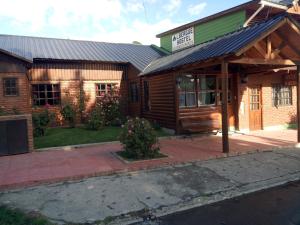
{"points": [[16, 56]]}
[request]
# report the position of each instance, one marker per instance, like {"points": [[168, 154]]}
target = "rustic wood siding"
{"points": [[134, 108], [206, 114], [162, 100], [75, 71]]}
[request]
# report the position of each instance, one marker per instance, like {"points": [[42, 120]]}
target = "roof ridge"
{"points": [[66, 39]]}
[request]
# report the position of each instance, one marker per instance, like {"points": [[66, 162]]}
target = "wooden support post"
{"points": [[225, 139], [298, 102]]}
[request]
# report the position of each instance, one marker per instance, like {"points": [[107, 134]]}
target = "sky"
{"points": [[121, 21]]}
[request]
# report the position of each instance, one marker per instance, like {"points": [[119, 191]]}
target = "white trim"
{"points": [[254, 15], [274, 5]]}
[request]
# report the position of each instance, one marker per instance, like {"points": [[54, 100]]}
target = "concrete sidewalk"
{"points": [[128, 197]]}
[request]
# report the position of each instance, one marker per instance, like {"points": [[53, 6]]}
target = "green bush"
{"points": [[69, 114], [95, 120], [139, 139], [2, 111], [41, 121]]}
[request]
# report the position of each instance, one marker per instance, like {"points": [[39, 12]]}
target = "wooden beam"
{"points": [[261, 37], [260, 49], [277, 51], [293, 47], [225, 139], [256, 61], [298, 102], [269, 47], [294, 27]]}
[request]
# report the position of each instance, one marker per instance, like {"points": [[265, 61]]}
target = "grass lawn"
{"points": [[55, 137], [16, 217]]}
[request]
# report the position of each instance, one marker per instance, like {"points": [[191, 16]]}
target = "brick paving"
{"points": [[62, 165]]}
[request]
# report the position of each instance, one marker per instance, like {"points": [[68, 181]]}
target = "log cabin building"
{"points": [[236, 69]]}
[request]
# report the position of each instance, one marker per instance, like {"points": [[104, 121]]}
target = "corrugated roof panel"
{"points": [[32, 48], [228, 44]]}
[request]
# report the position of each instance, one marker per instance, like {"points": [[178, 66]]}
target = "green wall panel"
{"points": [[210, 30], [218, 27], [166, 42]]}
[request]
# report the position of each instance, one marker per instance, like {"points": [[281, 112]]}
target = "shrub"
{"points": [[2, 111], [41, 121], [95, 120], [156, 125], [139, 139], [69, 114], [110, 106]]}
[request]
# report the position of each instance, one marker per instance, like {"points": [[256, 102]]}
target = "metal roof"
{"points": [[37, 48], [226, 45]]}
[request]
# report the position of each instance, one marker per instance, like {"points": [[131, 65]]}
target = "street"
{"points": [[276, 206]]}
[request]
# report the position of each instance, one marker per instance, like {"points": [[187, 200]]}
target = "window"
{"points": [[220, 90], [10, 86], [281, 95], [102, 89], [134, 92], [146, 96], [187, 91], [43, 94], [207, 90]]}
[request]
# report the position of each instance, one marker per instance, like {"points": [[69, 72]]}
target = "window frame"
{"points": [[105, 91], [5, 88], [147, 103], [217, 90], [185, 92], [280, 93], [134, 92], [45, 91]]}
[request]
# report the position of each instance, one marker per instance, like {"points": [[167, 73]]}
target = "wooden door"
{"points": [[255, 107]]}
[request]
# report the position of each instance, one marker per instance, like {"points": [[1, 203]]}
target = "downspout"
{"points": [[254, 15]]}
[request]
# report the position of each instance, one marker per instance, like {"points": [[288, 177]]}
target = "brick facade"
{"points": [[271, 115]]}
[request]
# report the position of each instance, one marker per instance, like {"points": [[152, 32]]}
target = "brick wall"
{"points": [[19, 102], [70, 91], [271, 116]]}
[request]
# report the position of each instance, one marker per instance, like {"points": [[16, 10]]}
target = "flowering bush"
{"points": [[95, 120], [69, 114], [139, 139], [110, 107], [41, 121]]}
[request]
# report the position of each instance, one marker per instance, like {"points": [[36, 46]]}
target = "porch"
{"points": [[209, 78], [47, 166]]}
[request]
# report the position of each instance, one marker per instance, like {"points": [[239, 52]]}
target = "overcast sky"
{"points": [[103, 20]]}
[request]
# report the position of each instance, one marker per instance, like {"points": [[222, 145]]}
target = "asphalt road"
{"points": [[276, 206]]}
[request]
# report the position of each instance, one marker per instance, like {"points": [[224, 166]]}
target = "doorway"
{"points": [[255, 108]]}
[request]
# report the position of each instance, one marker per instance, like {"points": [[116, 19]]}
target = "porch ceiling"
{"points": [[272, 43]]}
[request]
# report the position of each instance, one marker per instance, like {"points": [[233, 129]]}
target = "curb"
{"points": [[214, 198]]}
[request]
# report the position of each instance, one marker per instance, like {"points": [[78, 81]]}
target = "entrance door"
{"points": [[255, 118]]}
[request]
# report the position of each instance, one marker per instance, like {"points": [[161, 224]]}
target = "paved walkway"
{"points": [[52, 166], [157, 192]]}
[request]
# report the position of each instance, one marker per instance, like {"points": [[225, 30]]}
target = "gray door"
{"points": [[14, 138]]}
